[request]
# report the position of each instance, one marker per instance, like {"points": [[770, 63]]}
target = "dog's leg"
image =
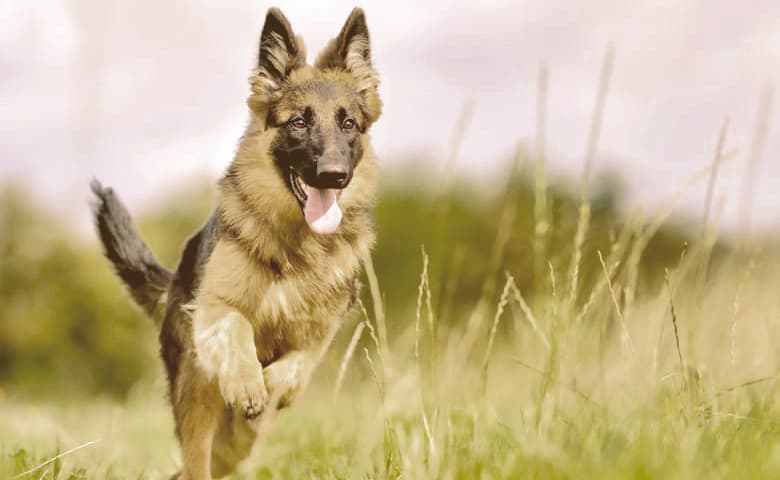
{"points": [[233, 442], [198, 427], [286, 377], [225, 347], [197, 406]]}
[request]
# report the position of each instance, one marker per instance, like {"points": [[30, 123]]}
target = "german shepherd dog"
{"points": [[261, 288]]}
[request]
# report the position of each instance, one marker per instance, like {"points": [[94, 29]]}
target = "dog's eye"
{"points": [[348, 124], [298, 123]]}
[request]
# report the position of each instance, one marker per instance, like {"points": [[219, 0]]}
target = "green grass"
{"points": [[680, 384]]}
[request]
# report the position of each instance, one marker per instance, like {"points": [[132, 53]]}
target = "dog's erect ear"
{"points": [[280, 53], [351, 51]]}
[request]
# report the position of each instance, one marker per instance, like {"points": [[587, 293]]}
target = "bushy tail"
{"points": [[135, 264]]}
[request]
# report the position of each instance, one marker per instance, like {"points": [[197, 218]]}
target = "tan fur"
{"points": [[272, 293]]}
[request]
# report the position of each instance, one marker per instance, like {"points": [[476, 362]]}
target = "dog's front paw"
{"points": [[245, 390], [285, 380]]}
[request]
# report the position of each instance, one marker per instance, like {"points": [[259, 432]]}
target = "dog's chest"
{"points": [[301, 307], [290, 304], [302, 296]]}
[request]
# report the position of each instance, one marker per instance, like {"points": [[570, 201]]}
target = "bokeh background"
{"points": [[149, 97], [146, 94]]}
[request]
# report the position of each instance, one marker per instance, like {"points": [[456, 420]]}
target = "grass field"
{"points": [[674, 380], [620, 374]]}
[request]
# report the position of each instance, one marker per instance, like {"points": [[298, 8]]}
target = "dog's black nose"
{"points": [[332, 178]]}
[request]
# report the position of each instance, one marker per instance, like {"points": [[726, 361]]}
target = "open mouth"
{"points": [[297, 183], [320, 205]]}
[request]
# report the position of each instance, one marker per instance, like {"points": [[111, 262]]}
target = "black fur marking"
{"points": [[234, 236], [356, 150], [341, 115], [354, 290], [322, 142], [231, 174], [355, 26], [276, 268], [277, 27], [134, 262], [183, 287], [195, 255], [171, 346]]}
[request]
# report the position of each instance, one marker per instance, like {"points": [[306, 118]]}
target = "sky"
{"points": [[147, 95]]}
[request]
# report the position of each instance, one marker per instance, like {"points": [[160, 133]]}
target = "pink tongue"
{"points": [[321, 211]]}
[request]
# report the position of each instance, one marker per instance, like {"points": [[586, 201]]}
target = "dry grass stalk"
{"points": [[676, 332], [56, 457], [583, 220], [737, 308], [502, 303], [625, 338], [376, 299], [347, 356], [527, 311]]}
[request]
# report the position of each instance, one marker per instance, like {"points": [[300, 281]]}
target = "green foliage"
{"points": [[65, 323], [459, 226], [29, 465]]}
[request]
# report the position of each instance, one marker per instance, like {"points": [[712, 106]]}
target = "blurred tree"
{"points": [[63, 321]]}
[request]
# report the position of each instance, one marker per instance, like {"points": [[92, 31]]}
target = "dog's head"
{"points": [[315, 115]]}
